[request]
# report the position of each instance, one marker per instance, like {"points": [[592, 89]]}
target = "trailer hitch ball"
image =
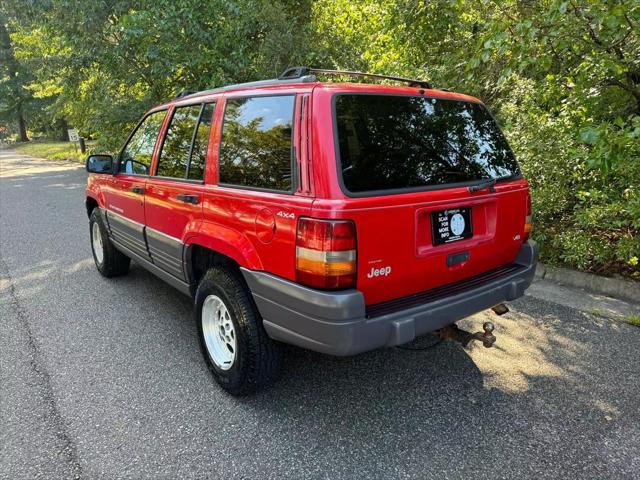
{"points": [[456, 334], [487, 338]]}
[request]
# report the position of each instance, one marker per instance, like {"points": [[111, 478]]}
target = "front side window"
{"points": [[137, 153], [388, 142], [256, 143]]}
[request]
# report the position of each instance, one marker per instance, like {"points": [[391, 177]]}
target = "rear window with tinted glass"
{"points": [[183, 153], [255, 150], [397, 142], [174, 157]]}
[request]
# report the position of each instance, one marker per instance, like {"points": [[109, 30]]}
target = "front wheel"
{"points": [[110, 262], [235, 346]]}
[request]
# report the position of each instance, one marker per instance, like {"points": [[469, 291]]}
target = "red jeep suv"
{"points": [[338, 217]]}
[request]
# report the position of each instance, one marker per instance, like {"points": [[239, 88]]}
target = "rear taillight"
{"points": [[326, 253], [528, 225]]}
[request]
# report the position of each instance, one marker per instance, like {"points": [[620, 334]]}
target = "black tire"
{"points": [[114, 262], [257, 358]]}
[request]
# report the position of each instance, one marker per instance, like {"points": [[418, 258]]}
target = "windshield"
{"points": [[392, 142]]}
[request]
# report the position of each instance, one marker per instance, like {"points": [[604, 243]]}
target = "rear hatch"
{"points": [[435, 191]]}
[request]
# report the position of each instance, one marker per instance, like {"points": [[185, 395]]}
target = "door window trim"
{"points": [[133, 132], [193, 142]]}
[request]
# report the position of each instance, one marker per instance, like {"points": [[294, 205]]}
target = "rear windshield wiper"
{"points": [[482, 184], [488, 183]]}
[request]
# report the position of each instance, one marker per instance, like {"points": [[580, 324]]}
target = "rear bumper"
{"points": [[338, 323]]}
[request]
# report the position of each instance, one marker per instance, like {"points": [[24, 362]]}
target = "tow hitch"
{"points": [[456, 334]]}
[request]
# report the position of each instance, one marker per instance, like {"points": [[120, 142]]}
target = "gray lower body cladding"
{"points": [[166, 252], [159, 253], [128, 233], [337, 323]]}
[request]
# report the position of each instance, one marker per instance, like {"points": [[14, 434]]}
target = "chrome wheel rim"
{"points": [[96, 242], [219, 333]]}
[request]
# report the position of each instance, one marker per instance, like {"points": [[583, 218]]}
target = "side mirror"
{"points": [[100, 164]]}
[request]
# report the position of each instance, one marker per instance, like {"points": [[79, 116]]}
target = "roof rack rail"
{"points": [[259, 83], [184, 93], [297, 72]]}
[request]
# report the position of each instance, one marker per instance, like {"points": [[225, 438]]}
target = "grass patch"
{"points": [[633, 320], [53, 150]]}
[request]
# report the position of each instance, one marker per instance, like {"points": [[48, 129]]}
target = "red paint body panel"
{"points": [[238, 216], [395, 231], [257, 229], [165, 213], [119, 198]]}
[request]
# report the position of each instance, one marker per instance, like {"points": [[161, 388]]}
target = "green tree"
{"points": [[105, 63], [13, 79], [563, 78]]}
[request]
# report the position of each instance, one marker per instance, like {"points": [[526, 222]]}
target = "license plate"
{"points": [[451, 225]]}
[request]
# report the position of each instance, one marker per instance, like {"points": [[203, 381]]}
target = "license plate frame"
{"points": [[451, 225]]}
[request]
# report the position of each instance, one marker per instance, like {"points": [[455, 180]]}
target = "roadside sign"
{"points": [[73, 135]]}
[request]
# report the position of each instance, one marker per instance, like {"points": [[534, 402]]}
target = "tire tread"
{"points": [[115, 263], [263, 358]]}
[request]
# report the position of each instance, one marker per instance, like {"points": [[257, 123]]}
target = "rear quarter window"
{"points": [[392, 143], [256, 146]]}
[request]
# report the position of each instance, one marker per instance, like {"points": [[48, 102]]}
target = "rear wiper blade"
{"points": [[482, 184], [489, 183]]}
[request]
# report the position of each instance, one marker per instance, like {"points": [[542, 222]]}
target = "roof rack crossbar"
{"points": [[296, 72]]}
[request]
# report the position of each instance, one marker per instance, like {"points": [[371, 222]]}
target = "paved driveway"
{"points": [[103, 379]]}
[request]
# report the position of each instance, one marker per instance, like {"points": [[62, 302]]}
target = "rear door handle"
{"points": [[194, 199], [138, 190]]}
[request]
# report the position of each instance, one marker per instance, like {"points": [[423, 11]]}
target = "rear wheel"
{"points": [[109, 261], [235, 346]]}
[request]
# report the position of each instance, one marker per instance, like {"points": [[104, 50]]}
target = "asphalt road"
{"points": [[103, 378]]}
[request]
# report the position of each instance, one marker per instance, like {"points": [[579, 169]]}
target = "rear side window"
{"points": [[184, 149], [137, 153], [256, 143], [402, 142], [174, 156]]}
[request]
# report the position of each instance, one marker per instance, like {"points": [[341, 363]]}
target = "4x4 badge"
{"points": [[286, 215]]}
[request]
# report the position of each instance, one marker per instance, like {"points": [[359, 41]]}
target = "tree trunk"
{"points": [[14, 77], [64, 127], [22, 125]]}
